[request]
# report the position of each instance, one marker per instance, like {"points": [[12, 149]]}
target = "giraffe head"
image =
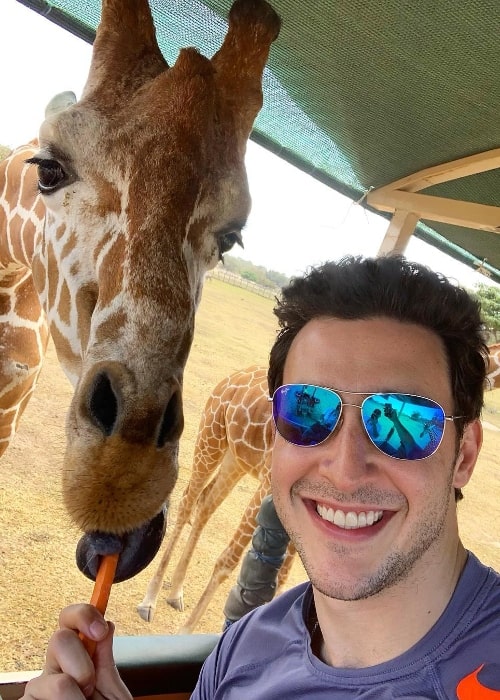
{"points": [[144, 186]]}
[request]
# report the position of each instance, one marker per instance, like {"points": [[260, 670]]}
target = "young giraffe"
{"points": [[234, 439], [494, 366], [137, 190]]}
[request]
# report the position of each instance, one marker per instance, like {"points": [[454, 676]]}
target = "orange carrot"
{"points": [[100, 594]]}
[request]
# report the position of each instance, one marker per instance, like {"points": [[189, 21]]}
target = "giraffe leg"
{"points": [[228, 560], [212, 496], [146, 608], [207, 459], [199, 478]]}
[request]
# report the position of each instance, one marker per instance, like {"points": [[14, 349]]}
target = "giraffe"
{"points": [[234, 439], [108, 223], [493, 379]]}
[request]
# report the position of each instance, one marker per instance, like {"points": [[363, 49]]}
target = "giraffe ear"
{"points": [[119, 64], [59, 103], [240, 62]]}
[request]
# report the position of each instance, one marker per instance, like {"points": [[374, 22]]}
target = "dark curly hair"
{"points": [[392, 287]]}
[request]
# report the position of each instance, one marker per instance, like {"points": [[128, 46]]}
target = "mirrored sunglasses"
{"points": [[403, 426]]}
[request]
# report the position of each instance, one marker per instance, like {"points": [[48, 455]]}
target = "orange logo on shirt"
{"points": [[471, 688]]}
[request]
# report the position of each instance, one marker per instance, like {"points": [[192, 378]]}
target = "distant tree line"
{"points": [[4, 151], [487, 295], [489, 298], [255, 273]]}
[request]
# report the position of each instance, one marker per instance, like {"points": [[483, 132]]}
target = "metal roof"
{"points": [[362, 94]]}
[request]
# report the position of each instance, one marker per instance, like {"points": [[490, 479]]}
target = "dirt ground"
{"points": [[37, 542]]}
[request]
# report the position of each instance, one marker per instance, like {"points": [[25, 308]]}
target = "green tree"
{"points": [[4, 151], [489, 297], [278, 278], [249, 275], [255, 273]]}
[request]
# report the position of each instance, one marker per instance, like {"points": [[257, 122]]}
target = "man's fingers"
{"points": [[67, 659], [69, 672], [84, 618], [53, 687], [103, 657]]}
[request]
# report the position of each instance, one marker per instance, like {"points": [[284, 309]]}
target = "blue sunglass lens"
{"points": [[399, 425], [402, 425], [305, 414]]}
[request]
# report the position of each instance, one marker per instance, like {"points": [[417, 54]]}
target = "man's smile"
{"points": [[349, 520]]}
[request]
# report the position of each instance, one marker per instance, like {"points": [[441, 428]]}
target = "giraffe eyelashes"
{"points": [[51, 174], [227, 239]]}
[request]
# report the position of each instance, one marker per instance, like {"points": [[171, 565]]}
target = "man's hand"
{"points": [[69, 672]]}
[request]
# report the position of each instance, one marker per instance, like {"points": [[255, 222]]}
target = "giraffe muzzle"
{"points": [[137, 548]]}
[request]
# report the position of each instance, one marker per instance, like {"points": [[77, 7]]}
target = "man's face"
{"points": [[410, 523]]}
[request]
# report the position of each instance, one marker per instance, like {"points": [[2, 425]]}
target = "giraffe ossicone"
{"points": [[141, 189]]}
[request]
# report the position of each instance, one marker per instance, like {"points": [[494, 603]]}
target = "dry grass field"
{"points": [[38, 576]]}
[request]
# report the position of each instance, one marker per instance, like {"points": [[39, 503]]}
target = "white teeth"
{"points": [[339, 518], [349, 520]]}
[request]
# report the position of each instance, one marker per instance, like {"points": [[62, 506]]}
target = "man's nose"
{"points": [[347, 456]]}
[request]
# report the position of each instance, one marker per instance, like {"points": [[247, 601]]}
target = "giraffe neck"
{"points": [[23, 327], [494, 366], [21, 211]]}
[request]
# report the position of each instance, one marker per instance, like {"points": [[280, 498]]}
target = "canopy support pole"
{"points": [[408, 206], [399, 232]]}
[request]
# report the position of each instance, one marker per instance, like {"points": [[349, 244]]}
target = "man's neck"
{"points": [[363, 633]]}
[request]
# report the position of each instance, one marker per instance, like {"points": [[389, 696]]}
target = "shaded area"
{"points": [[360, 94]]}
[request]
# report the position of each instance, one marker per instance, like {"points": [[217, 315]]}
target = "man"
{"points": [[396, 607]]}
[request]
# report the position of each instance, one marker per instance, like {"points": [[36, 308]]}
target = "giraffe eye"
{"points": [[51, 175], [227, 240]]}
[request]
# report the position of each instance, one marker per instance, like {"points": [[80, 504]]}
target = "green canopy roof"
{"points": [[362, 93]]}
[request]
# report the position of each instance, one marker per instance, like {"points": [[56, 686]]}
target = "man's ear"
{"points": [[468, 452]]}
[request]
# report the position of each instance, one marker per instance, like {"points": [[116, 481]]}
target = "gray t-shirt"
{"points": [[267, 654]]}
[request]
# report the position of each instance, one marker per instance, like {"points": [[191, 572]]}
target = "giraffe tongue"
{"points": [[137, 548]]}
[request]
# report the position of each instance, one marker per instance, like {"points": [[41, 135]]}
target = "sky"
{"points": [[295, 221]]}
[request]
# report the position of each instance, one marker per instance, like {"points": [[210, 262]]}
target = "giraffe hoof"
{"points": [[146, 612], [176, 603]]}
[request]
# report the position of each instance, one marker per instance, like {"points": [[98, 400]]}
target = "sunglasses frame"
{"points": [[367, 395]]}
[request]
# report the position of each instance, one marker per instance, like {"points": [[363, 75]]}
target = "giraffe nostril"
{"points": [[172, 422], [103, 404]]}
